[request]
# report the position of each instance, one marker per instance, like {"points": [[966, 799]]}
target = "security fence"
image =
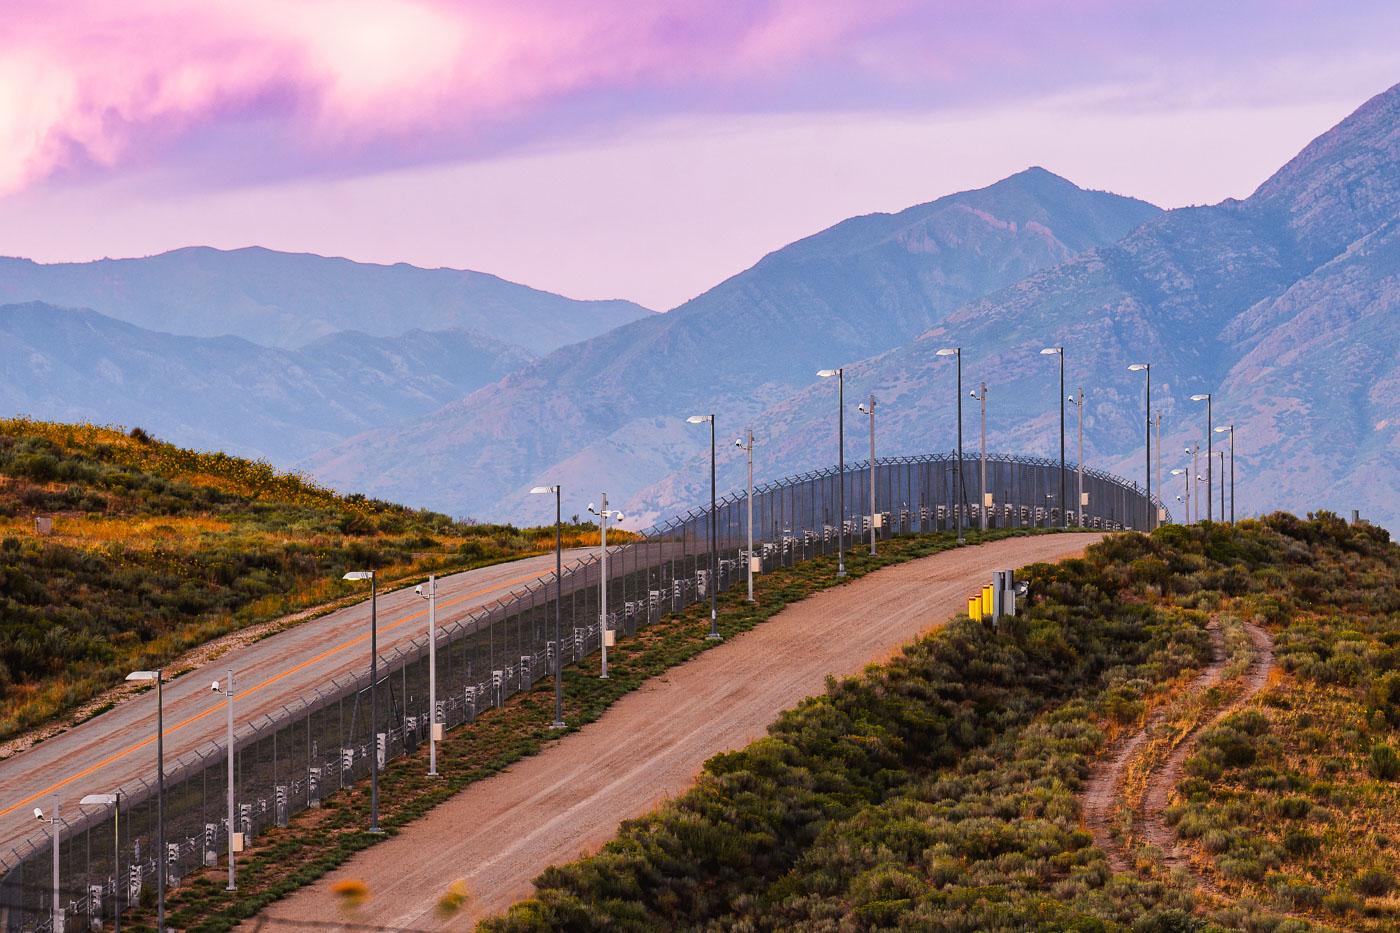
{"points": [[324, 742]]}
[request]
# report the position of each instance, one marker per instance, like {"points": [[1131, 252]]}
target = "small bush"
{"points": [[1373, 883], [1298, 842], [1383, 763]]}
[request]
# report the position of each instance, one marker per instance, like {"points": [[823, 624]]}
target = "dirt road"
{"points": [[118, 746], [569, 799]]}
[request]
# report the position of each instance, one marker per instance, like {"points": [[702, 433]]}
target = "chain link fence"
{"points": [[324, 742]]}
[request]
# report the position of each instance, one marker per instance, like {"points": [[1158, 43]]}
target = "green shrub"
{"points": [[1383, 763], [1373, 883], [1298, 842]]}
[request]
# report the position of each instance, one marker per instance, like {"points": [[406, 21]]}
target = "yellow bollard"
{"points": [[987, 602], [974, 608]]}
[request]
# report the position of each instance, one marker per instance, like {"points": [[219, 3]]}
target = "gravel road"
{"points": [[568, 800]]}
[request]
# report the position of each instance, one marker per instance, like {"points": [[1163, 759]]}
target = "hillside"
{"points": [[287, 300], [224, 393], [1281, 305], [856, 289], [155, 549], [945, 788]]}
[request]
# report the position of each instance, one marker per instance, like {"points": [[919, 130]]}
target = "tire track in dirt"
{"points": [[1150, 823], [1101, 792]]}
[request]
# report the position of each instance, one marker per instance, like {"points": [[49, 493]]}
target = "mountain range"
{"points": [[609, 412], [288, 300], [1280, 305], [226, 393]]}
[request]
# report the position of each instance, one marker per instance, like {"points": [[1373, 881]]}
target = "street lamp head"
{"points": [[1177, 473], [948, 351], [143, 675], [539, 489], [1201, 398], [700, 419], [98, 800], [1224, 428], [1051, 351], [1138, 367], [359, 575], [828, 373]]}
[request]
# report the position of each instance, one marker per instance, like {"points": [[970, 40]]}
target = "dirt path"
{"points": [[500, 833], [1150, 824], [1101, 792]]}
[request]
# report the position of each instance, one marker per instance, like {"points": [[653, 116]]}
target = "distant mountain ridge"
{"points": [[1283, 306], [225, 393], [865, 285], [287, 300]]}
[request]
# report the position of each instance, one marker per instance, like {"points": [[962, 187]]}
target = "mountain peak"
{"points": [[1345, 183]]}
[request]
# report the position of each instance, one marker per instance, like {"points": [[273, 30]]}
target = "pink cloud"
{"points": [[90, 83]]}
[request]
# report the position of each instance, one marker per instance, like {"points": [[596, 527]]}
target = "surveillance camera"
{"points": [[738, 442], [38, 813], [214, 686], [418, 589]]}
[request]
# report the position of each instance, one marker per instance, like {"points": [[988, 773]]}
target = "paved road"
{"points": [[118, 746], [500, 833]]}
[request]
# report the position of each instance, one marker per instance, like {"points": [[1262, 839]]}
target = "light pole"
{"points": [[1209, 454], [871, 412], [431, 597], [1147, 465], [604, 513], [1161, 490], [114, 801], [1221, 455], [373, 692], [1078, 403], [714, 530], [161, 854], [840, 374], [983, 485], [558, 604], [1222, 430], [1186, 502], [749, 449], [1195, 451], [1060, 352], [957, 484], [57, 900], [227, 690]]}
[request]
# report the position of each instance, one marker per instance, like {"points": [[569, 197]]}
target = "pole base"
{"points": [[378, 831], [962, 540], [232, 887], [434, 774], [714, 636], [602, 676], [557, 725]]}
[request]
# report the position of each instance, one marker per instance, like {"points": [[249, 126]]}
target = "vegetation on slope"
{"points": [[155, 549], [938, 791], [1294, 800]]}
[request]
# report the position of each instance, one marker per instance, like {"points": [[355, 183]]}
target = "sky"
{"points": [[640, 150]]}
